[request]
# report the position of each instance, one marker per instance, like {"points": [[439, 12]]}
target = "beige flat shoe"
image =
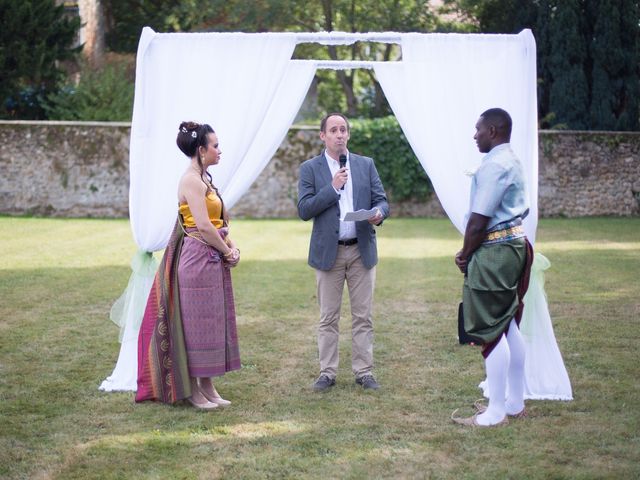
{"points": [[481, 408], [473, 421], [218, 400], [203, 406]]}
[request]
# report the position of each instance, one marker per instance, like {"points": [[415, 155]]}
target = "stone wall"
{"points": [[70, 169], [588, 173], [64, 169]]}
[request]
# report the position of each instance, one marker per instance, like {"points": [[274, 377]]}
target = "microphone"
{"points": [[343, 161]]}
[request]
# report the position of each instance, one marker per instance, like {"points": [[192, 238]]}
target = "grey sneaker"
{"points": [[368, 382], [323, 383]]}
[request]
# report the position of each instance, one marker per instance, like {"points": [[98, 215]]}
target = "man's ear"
{"points": [[493, 131]]}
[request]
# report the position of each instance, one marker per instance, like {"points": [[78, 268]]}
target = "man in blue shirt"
{"points": [[496, 259]]}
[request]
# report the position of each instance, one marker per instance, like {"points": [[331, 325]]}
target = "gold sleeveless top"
{"points": [[214, 209]]}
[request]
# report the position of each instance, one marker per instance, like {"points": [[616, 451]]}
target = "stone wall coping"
{"points": [[66, 123], [588, 132], [74, 123]]}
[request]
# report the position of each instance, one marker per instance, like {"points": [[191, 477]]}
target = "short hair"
{"points": [[323, 122], [500, 119]]}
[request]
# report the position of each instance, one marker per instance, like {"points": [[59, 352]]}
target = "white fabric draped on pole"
{"points": [[227, 80], [248, 88], [437, 93]]}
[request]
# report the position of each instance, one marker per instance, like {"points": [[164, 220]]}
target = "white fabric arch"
{"points": [[248, 88], [437, 93]]}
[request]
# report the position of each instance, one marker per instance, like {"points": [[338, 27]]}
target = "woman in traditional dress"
{"points": [[188, 334]]}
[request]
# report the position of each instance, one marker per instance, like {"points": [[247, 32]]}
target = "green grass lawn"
{"points": [[59, 278]]}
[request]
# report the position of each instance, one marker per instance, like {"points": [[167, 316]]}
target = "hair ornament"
{"points": [[183, 129], [194, 134]]}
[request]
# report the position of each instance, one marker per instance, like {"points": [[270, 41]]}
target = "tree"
{"points": [[360, 89], [568, 89], [104, 94], [35, 36], [92, 18], [125, 19], [615, 56], [588, 56], [495, 16]]}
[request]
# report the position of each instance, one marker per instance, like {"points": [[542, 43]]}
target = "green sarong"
{"points": [[490, 291]]}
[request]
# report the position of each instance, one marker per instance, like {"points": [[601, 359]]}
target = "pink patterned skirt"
{"points": [[208, 310]]}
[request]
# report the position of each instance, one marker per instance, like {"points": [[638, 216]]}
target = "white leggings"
{"points": [[505, 376]]}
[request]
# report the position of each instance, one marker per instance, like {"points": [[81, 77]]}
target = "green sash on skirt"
{"points": [[490, 292]]}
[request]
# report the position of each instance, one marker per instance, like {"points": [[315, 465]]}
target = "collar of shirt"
{"points": [[334, 163], [497, 149]]}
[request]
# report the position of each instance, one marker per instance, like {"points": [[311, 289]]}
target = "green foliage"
{"points": [[127, 18], [355, 92], [498, 16], [588, 56], [615, 83], [569, 90], [35, 36], [100, 95], [400, 171]]}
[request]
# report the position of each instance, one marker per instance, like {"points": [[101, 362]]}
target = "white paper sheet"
{"points": [[360, 215]]}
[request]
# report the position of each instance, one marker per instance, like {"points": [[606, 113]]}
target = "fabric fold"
{"points": [[546, 376], [162, 358]]}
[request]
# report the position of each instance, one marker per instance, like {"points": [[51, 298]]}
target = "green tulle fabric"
{"points": [[133, 300]]}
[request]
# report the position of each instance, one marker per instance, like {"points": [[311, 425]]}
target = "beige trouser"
{"points": [[360, 282]]}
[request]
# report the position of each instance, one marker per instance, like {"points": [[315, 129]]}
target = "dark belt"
{"points": [[351, 241]]}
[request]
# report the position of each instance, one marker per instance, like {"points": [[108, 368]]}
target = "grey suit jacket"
{"points": [[318, 200]]}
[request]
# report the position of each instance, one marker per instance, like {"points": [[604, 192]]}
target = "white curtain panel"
{"points": [[281, 113], [247, 89], [228, 80], [438, 91]]}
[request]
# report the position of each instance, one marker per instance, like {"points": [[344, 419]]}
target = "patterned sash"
{"points": [[504, 232], [162, 359]]}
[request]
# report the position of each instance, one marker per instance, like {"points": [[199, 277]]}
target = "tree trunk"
{"points": [[92, 31], [346, 81]]}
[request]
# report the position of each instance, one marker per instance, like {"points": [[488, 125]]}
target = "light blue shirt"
{"points": [[499, 188]]}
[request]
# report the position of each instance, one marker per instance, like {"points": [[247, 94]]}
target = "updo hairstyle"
{"points": [[192, 135]]}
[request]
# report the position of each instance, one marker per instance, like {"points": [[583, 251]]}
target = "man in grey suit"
{"points": [[330, 185]]}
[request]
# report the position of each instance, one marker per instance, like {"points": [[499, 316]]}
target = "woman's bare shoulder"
{"points": [[190, 182]]}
